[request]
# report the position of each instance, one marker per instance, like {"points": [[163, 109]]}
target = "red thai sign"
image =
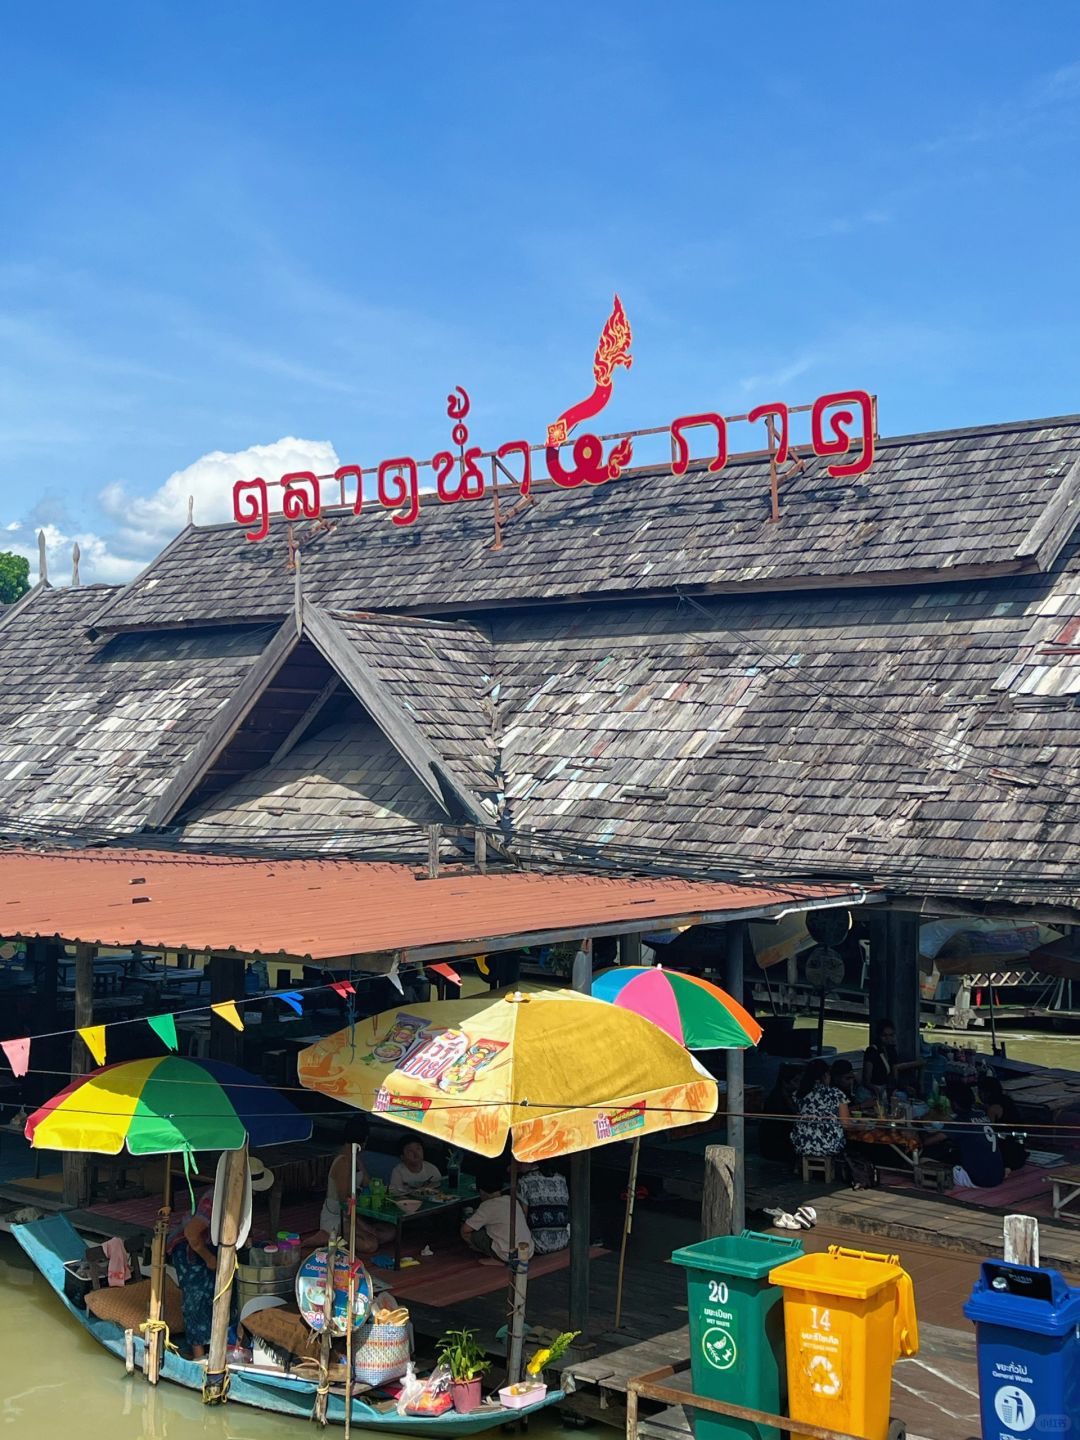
{"points": [[841, 424]]}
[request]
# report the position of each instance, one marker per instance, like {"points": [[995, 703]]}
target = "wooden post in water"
{"points": [[718, 1195], [77, 1167], [216, 1384], [322, 1395], [154, 1335]]}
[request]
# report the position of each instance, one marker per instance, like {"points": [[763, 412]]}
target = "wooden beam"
{"points": [[328, 691], [77, 1166], [1056, 523], [236, 1169], [430, 768], [224, 726]]}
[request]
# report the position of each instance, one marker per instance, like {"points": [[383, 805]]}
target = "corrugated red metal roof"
{"points": [[324, 909]]}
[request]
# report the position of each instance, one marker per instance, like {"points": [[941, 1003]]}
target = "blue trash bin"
{"points": [[1027, 1333]]}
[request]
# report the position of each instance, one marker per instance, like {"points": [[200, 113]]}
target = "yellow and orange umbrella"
{"points": [[555, 1071]]}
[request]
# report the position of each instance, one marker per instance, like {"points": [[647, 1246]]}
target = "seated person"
{"points": [[370, 1234], [1002, 1113], [843, 1077], [780, 1109], [547, 1208], [883, 1069], [487, 1229], [823, 1114], [980, 1164], [414, 1172]]}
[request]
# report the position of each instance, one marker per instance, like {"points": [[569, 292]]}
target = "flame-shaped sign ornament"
{"points": [[589, 462]]}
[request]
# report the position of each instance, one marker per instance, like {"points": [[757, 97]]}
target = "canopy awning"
{"points": [[337, 909]]}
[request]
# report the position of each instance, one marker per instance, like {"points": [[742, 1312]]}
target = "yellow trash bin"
{"points": [[844, 1313]]}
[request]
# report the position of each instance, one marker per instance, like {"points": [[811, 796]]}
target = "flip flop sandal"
{"points": [[788, 1222], [806, 1216]]}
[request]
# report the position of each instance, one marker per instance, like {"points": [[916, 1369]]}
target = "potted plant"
{"points": [[463, 1357]]}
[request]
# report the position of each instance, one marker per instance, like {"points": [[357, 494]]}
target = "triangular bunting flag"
{"points": [[447, 972], [482, 965], [164, 1027], [392, 976], [18, 1055], [228, 1012], [94, 1039], [343, 988], [292, 998]]}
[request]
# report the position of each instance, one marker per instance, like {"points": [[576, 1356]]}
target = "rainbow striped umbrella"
{"points": [[165, 1106], [694, 1012]]}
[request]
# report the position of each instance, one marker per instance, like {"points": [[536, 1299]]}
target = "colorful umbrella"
{"points": [[694, 1012], [165, 1106], [557, 1071]]}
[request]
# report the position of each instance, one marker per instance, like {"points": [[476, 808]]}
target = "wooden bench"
{"points": [[1066, 1192]]}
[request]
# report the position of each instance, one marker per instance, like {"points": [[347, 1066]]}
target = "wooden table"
{"points": [[1066, 1192], [439, 1203]]}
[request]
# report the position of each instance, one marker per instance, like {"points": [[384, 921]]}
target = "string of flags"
{"points": [[17, 1052]]}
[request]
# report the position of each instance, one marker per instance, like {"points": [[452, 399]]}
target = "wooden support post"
{"points": [[894, 976], [718, 1196], [434, 839], [226, 974], [77, 1167], [216, 1384], [580, 1188], [44, 957], [630, 949], [736, 1090], [1022, 1240], [480, 849]]}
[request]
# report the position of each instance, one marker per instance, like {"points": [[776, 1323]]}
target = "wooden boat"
{"points": [[51, 1242]]}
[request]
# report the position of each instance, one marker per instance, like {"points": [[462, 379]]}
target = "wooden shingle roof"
{"points": [[91, 732], [991, 500]]}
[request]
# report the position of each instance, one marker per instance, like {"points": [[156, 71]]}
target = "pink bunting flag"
{"points": [[447, 972], [18, 1055], [343, 988]]}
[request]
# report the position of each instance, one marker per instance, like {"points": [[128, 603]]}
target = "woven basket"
{"points": [[381, 1353]]}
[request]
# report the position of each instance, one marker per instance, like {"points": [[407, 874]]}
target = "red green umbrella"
{"points": [[695, 1012]]}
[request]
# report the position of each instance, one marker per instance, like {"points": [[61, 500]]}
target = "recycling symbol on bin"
{"points": [[823, 1377], [719, 1348]]}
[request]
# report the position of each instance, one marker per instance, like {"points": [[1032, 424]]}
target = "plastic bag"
{"points": [[434, 1397], [411, 1389]]}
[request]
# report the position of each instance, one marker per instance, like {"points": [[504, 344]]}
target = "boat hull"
{"points": [[51, 1242]]}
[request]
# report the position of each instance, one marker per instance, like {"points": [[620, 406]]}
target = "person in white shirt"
{"points": [[487, 1229], [414, 1172]]}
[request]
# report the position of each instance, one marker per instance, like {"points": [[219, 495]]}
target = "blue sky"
{"points": [[229, 226]]}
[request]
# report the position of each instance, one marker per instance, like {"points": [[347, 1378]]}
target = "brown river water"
{"points": [[55, 1381]]}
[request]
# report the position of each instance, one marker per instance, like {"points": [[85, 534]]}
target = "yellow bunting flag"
{"points": [[93, 1037], [482, 965], [228, 1012]]}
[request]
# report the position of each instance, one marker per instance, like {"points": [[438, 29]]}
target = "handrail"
{"points": [[647, 1387]]}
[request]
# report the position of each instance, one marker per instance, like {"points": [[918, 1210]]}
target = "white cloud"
{"points": [[145, 523], [97, 561]]}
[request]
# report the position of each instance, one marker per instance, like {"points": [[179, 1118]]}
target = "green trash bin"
{"points": [[737, 1328]]}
